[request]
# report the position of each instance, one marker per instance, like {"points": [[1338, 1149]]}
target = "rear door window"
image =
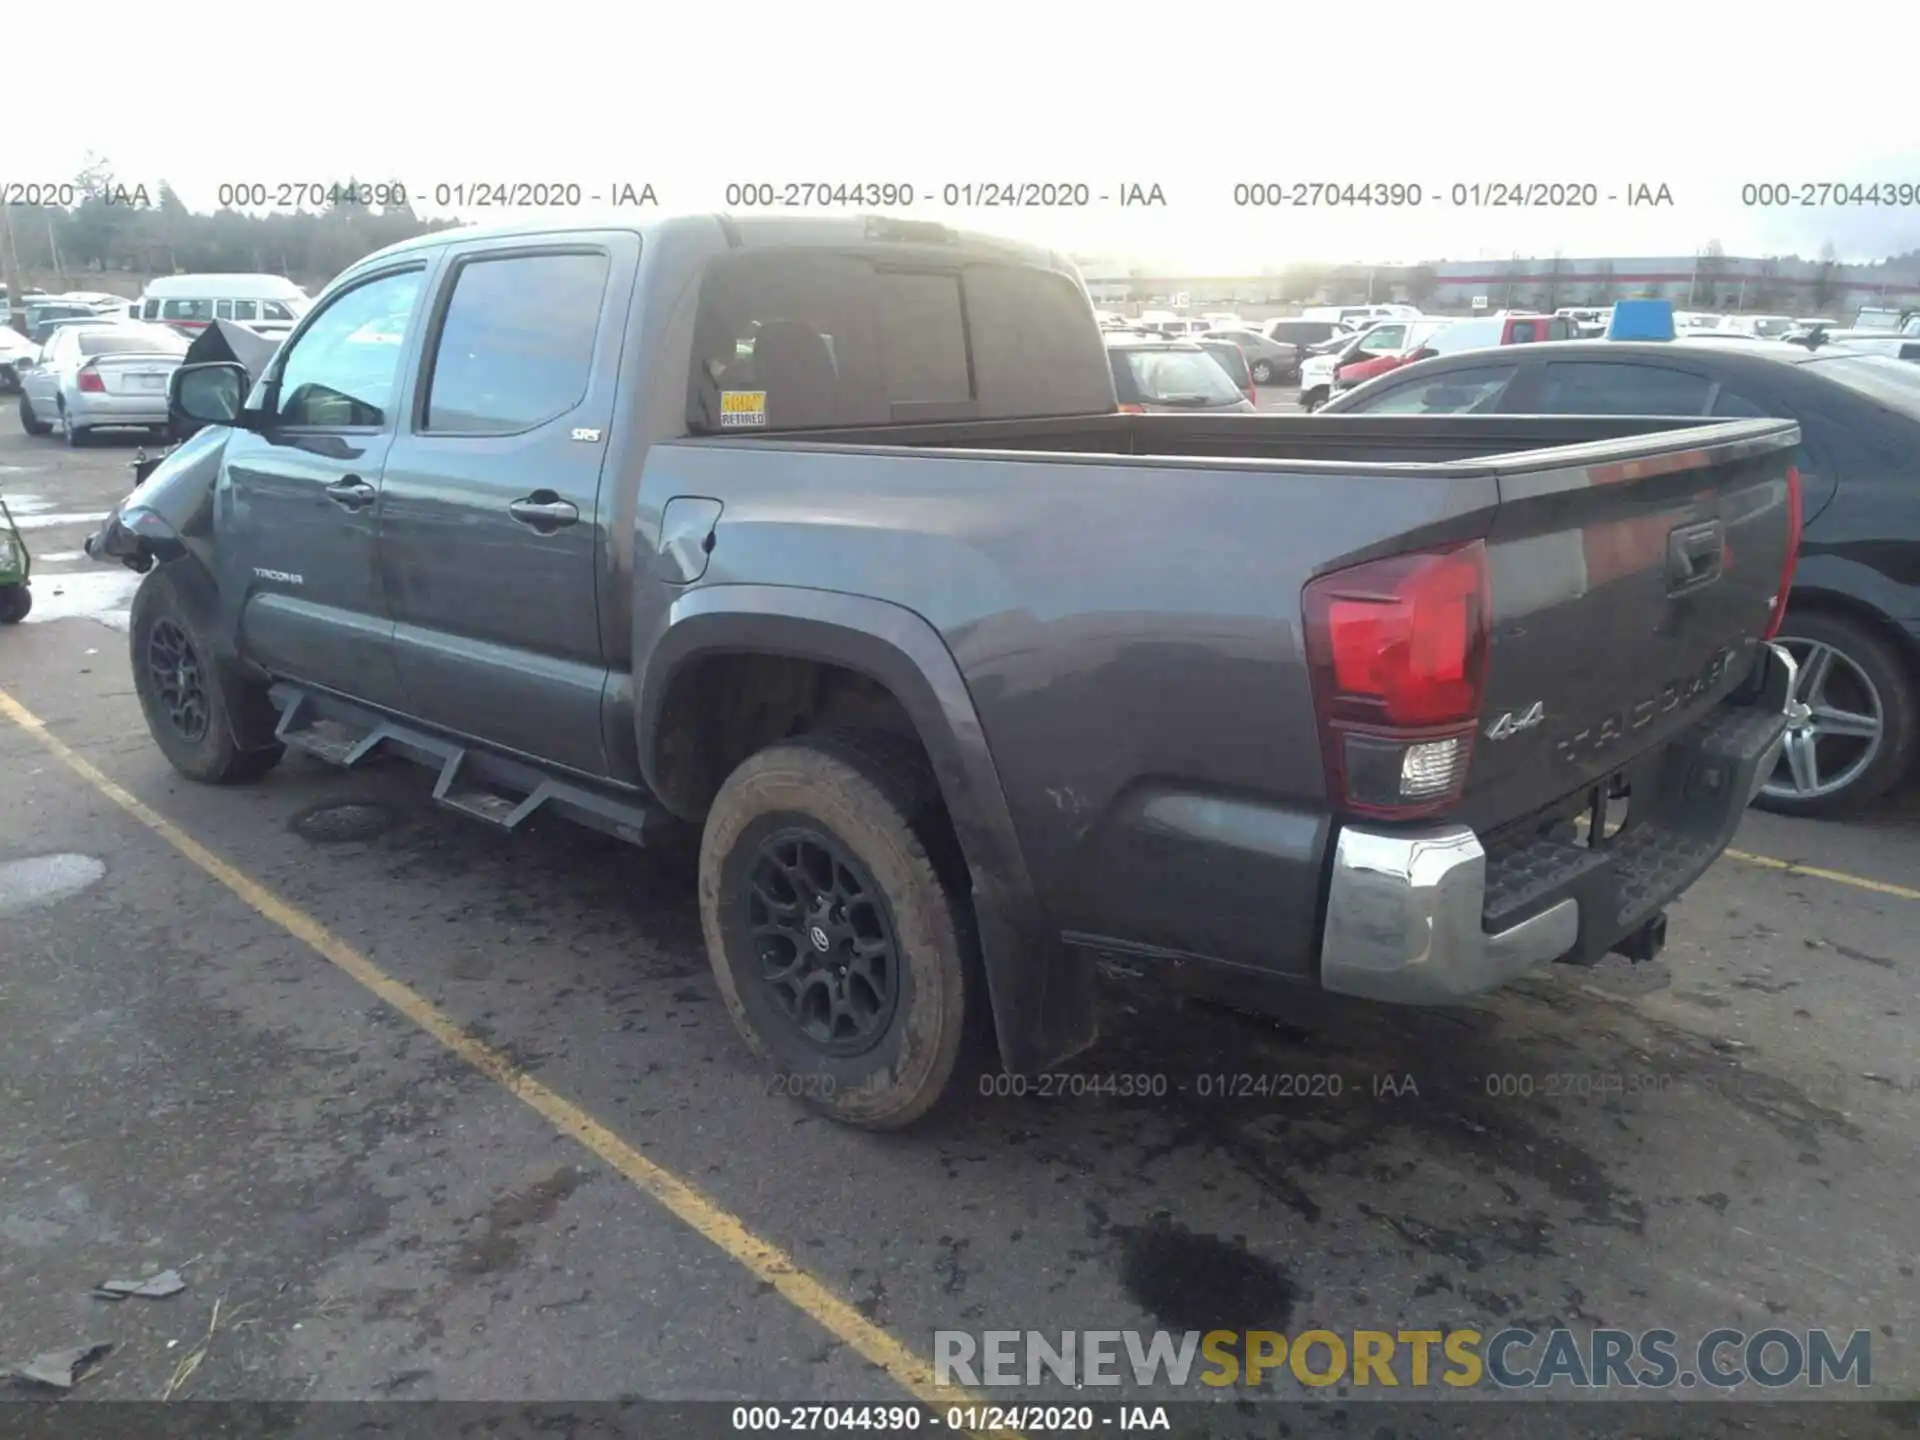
{"points": [[201, 310], [515, 348], [1614, 388]]}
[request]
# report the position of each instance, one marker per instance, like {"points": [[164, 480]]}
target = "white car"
{"points": [[96, 377], [1765, 327], [14, 347]]}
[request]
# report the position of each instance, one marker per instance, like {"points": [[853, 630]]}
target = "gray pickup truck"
{"points": [[827, 536]]}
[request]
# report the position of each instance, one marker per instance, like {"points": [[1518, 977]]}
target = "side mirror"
{"points": [[209, 394]]}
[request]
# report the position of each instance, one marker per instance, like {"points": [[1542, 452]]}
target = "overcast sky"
{"points": [[1192, 98]]}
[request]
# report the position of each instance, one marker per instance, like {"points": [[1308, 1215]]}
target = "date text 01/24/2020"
{"points": [[1465, 195]]}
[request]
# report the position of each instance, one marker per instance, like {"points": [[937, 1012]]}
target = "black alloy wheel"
{"points": [[177, 680], [824, 938]]}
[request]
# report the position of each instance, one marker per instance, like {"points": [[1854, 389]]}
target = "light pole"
{"points": [[10, 265]]}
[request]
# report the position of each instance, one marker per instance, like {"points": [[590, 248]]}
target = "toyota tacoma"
{"points": [[829, 538]]}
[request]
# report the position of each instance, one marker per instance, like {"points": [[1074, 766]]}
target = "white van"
{"points": [[269, 304]]}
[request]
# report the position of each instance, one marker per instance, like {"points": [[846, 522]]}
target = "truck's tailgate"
{"points": [[1629, 596]]}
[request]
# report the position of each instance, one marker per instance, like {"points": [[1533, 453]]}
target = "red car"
{"points": [[1427, 338]]}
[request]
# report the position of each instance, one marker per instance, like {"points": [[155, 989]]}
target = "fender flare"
{"points": [[1041, 990]]}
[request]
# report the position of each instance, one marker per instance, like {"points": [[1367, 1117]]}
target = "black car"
{"points": [[1854, 620]]}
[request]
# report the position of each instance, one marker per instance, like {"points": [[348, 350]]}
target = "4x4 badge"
{"points": [[1511, 724]]}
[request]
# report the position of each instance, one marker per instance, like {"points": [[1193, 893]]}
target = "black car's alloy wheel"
{"points": [[825, 940], [175, 670], [1857, 736]]}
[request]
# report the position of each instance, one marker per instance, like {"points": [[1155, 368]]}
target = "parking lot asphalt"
{"points": [[429, 1112]]}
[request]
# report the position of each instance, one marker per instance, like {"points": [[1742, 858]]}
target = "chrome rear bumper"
{"points": [[1406, 908]]}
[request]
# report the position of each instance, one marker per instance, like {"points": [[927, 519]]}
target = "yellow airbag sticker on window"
{"points": [[743, 409]]}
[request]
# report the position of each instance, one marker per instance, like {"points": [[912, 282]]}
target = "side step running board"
{"points": [[481, 785]]}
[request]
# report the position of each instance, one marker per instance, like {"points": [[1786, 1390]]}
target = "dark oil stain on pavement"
{"points": [[341, 823], [1188, 1281], [498, 1247]]}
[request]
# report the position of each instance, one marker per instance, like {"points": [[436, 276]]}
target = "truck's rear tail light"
{"points": [[91, 382], [1398, 648], [1779, 612]]}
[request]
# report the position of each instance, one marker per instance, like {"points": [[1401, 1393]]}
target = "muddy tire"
{"points": [[30, 422], [15, 603], [837, 922], [188, 705]]}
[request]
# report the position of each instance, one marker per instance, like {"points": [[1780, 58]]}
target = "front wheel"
{"points": [[30, 422], [838, 926], [15, 603], [1859, 736], [184, 696]]}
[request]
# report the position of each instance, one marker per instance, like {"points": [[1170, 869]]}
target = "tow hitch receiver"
{"points": [[1647, 942]]}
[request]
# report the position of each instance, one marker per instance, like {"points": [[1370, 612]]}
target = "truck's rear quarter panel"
{"points": [[1130, 634]]}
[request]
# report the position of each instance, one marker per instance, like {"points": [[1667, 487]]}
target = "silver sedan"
{"points": [[97, 377]]}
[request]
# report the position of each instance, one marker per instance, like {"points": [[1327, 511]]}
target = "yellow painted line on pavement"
{"points": [[1838, 877], [761, 1258]]}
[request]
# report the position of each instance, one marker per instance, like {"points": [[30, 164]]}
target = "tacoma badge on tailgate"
{"points": [[1598, 739]]}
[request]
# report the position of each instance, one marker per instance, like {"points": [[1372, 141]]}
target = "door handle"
{"points": [[544, 511], [352, 492]]}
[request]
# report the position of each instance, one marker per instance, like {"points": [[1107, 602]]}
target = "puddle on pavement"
{"points": [[105, 595], [45, 879], [1189, 1281], [339, 824]]}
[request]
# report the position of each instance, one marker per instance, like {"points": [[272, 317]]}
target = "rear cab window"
{"points": [[795, 339]]}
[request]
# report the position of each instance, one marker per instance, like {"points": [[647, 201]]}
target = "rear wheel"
{"points": [[15, 602], [1312, 400], [76, 435], [30, 422], [839, 932], [1263, 372], [1859, 736], [186, 701]]}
